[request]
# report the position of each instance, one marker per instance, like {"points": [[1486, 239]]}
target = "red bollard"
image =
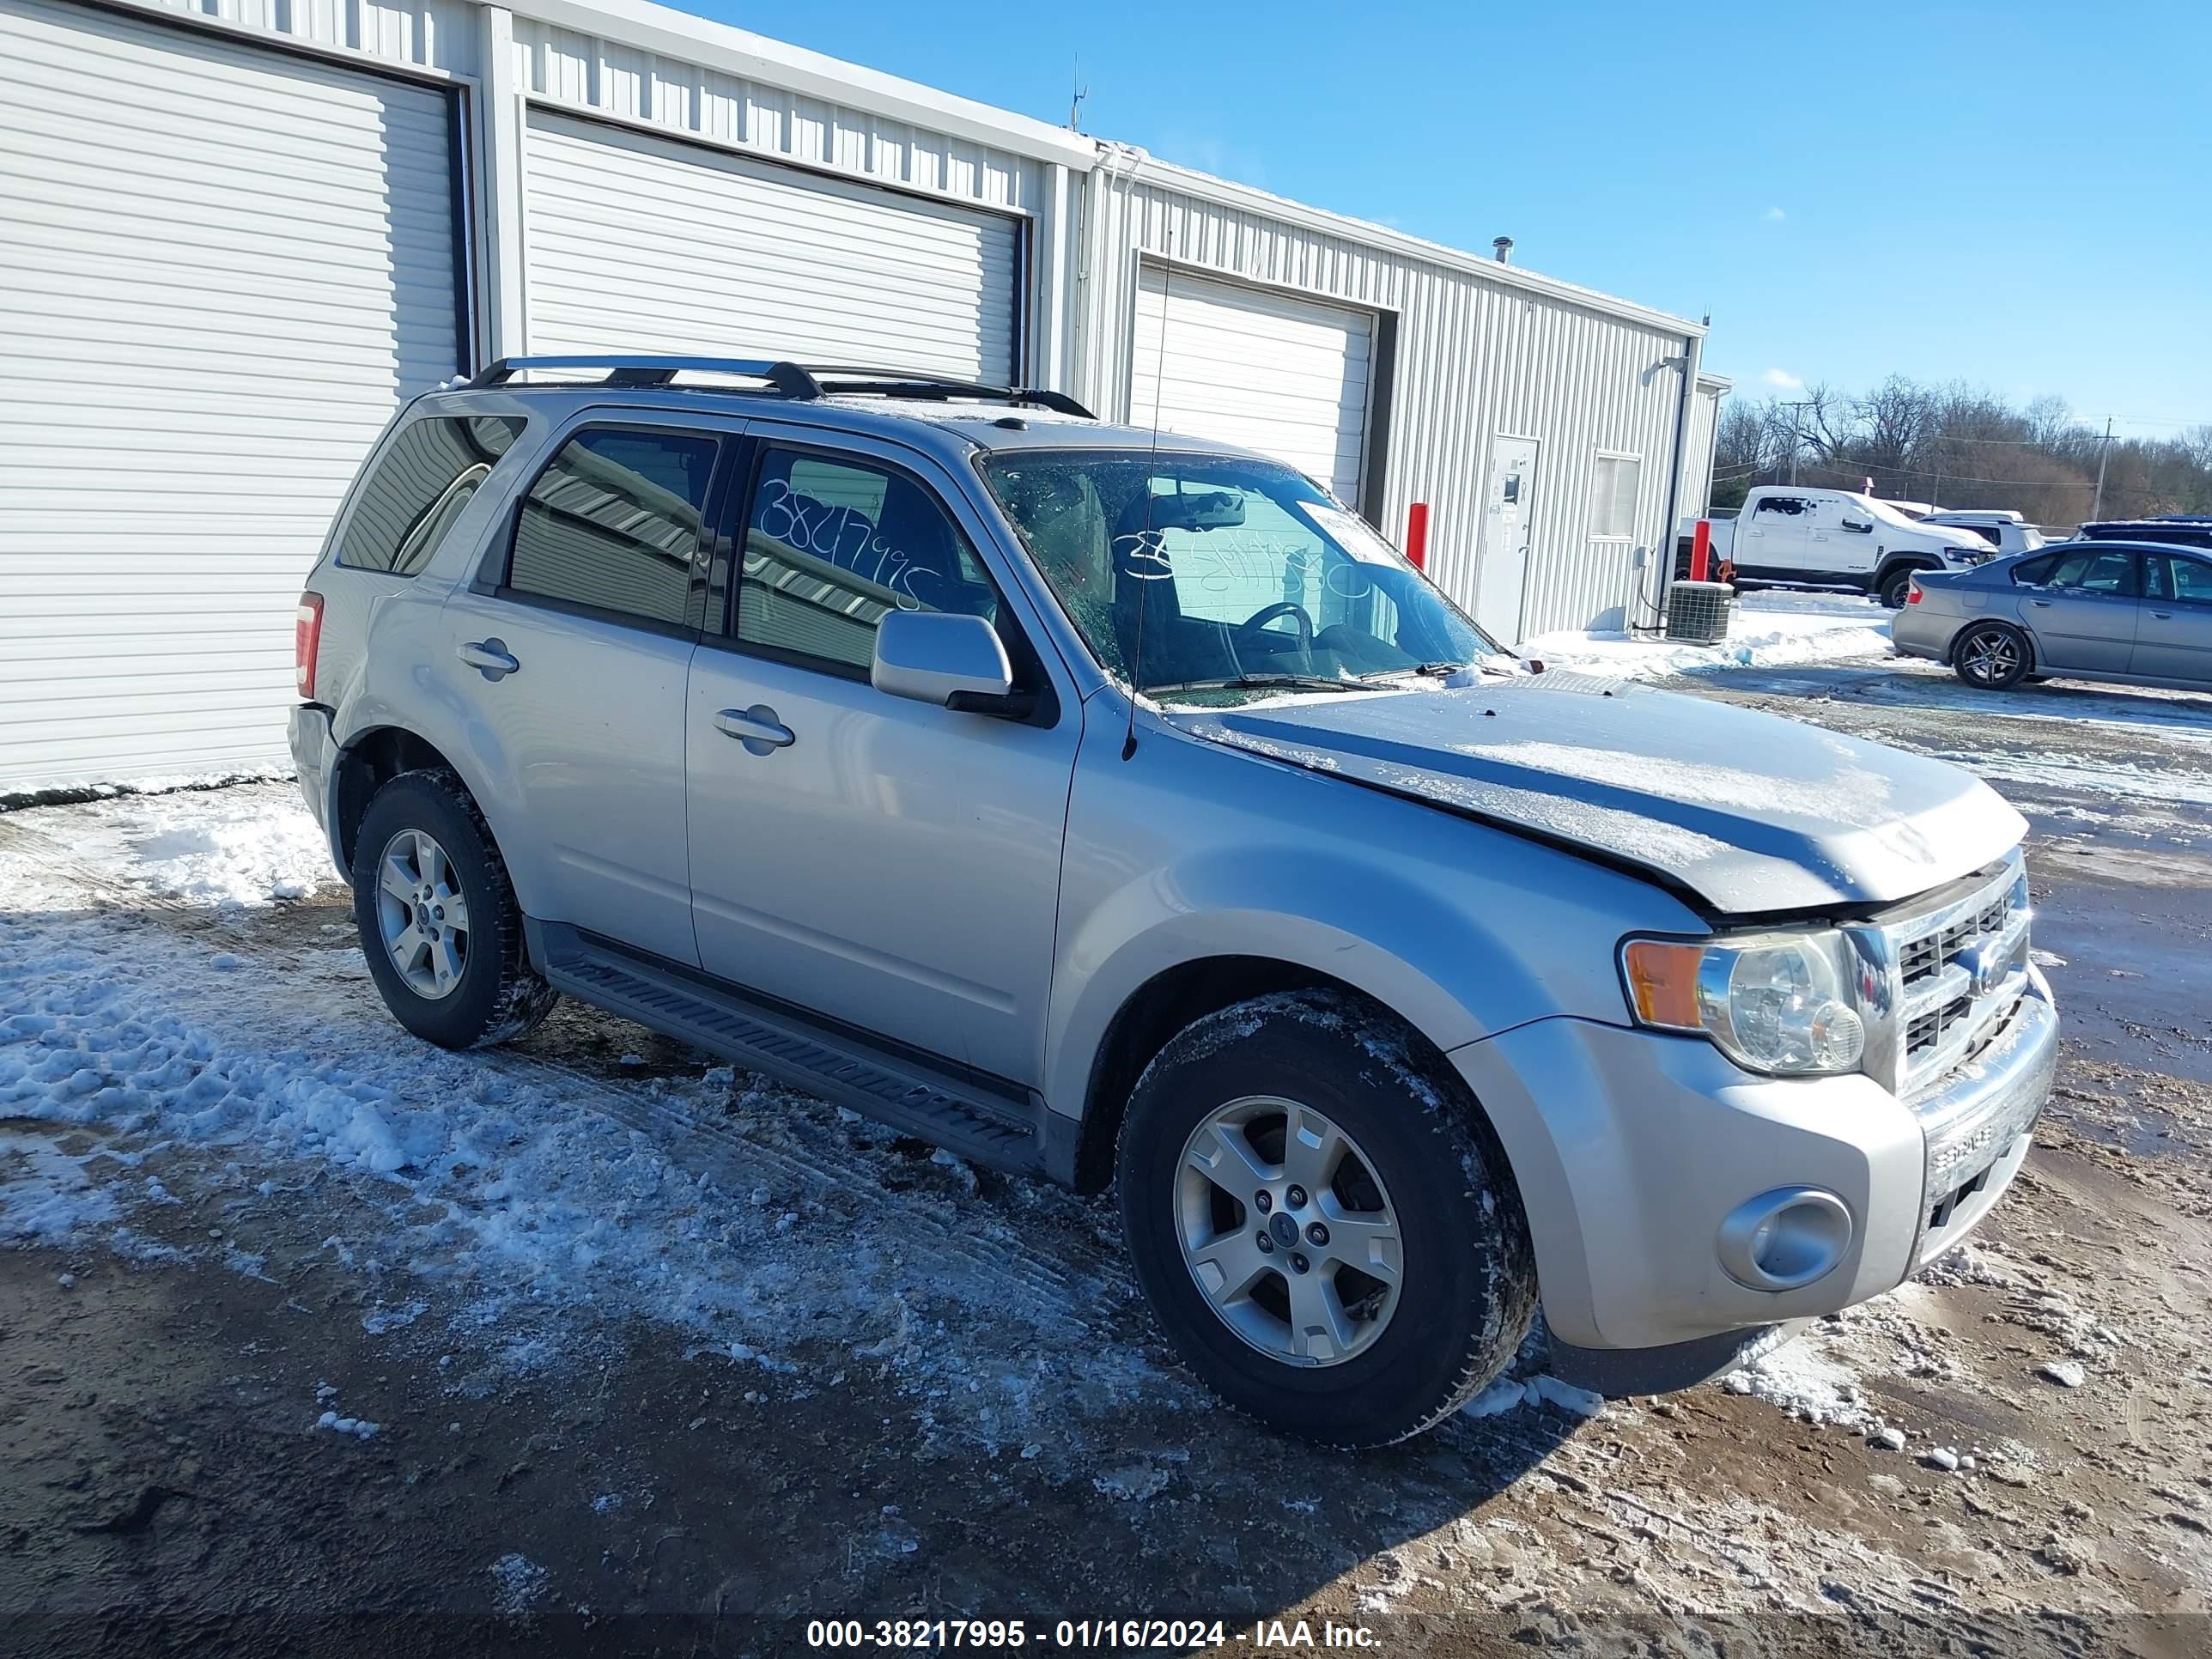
{"points": [[1417, 535], [1701, 549]]}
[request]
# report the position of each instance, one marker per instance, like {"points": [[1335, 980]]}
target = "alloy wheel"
{"points": [[422, 913], [1288, 1232], [1989, 655]]}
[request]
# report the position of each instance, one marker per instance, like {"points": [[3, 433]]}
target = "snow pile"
{"points": [[245, 846], [1511, 1393], [1805, 1378], [1767, 630]]}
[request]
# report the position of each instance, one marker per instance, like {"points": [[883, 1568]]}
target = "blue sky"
{"points": [[2017, 195]]}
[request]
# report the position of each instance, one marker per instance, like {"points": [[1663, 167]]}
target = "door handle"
{"points": [[2163, 616], [756, 727], [2044, 604], [490, 658]]}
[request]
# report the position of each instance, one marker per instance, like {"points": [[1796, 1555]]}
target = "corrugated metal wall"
{"points": [[438, 34], [1474, 358], [1698, 449], [590, 74]]}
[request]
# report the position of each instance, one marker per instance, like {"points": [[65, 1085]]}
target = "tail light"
{"points": [[307, 636], [1912, 594]]}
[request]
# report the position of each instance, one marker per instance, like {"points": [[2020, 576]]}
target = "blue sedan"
{"points": [[2134, 613]]}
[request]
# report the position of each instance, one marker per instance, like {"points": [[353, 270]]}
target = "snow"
{"points": [[248, 845], [502, 1187], [1769, 628]]}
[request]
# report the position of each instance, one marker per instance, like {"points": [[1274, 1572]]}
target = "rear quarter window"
{"points": [[2034, 572], [418, 487]]}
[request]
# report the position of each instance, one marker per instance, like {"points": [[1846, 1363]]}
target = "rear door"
{"points": [[580, 632], [878, 861], [2084, 616], [2174, 634]]}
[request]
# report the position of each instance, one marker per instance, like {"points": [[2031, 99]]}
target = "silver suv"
{"points": [[1395, 983]]}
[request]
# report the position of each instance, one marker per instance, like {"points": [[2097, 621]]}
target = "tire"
{"points": [[1891, 589], [422, 827], [1992, 656], [1421, 1167]]}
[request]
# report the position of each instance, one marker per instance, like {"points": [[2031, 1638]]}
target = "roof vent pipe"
{"points": [[1505, 247]]}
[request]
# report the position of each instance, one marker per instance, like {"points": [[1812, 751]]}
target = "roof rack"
{"points": [[801, 382]]}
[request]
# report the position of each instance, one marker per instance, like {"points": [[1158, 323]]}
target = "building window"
{"points": [[1612, 496], [833, 544], [613, 523], [418, 488]]}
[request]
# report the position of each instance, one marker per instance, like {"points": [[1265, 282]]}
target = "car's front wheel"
{"points": [[438, 923], [1992, 656], [1326, 1227]]}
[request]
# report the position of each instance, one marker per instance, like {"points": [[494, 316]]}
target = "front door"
{"points": [[1507, 521], [577, 641], [1774, 538], [2173, 627], [886, 863], [2084, 618]]}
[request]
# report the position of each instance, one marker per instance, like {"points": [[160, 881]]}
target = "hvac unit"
{"points": [[1697, 612]]}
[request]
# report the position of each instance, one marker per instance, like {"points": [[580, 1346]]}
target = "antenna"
{"points": [[1079, 92], [1145, 548]]}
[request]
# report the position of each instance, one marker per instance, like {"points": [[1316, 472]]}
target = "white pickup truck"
{"points": [[1837, 538]]}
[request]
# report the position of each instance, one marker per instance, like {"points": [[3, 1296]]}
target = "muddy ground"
{"points": [[589, 1474]]}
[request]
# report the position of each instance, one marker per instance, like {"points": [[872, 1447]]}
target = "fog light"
{"points": [[1785, 1239]]}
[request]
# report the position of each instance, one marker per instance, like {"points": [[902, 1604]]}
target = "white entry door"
{"points": [[1507, 518]]}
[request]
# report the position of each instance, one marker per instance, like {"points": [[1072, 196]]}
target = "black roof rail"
{"points": [[870, 380], [788, 379], [801, 382]]}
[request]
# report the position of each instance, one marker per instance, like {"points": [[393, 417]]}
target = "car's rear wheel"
{"points": [[1993, 656], [438, 923], [1895, 585], [1327, 1229]]}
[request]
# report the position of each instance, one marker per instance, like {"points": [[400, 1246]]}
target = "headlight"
{"points": [[1780, 1003], [1968, 555]]}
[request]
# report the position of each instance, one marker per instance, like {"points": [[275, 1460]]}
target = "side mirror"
{"points": [[944, 658], [1854, 525]]}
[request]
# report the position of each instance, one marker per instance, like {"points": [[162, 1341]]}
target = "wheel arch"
{"points": [[1893, 563], [1176, 997]]}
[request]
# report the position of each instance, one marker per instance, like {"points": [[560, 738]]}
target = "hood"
{"points": [[1749, 811]]}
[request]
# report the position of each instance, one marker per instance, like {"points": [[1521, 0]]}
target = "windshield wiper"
{"points": [[1265, 683]]}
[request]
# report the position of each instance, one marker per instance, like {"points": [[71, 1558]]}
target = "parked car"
{"points": [[1837, 539], [1396, 984], [2178, 532], [2006, 531], [2135, 613]]}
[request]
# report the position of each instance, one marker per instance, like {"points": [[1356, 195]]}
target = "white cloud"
{"points": [[1774, 215], [1782, 379]]}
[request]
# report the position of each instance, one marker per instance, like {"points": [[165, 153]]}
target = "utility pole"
{"points": [[1796, 436], [2104, 450]]}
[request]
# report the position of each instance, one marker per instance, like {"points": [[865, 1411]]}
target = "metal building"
{"points": [[236, 235]]}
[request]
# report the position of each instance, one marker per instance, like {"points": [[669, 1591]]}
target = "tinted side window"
{"points": [[832, 545], [2099, 573], [2190, 580], [419, 487], [2032, 573], [1784, 504], [613, 522]]}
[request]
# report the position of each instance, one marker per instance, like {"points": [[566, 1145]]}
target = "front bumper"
{"points": [[315, 759], [1631, 1148]]}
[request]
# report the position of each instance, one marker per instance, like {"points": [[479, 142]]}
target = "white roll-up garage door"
{"points": [[642, 244], [1287, 376], [220, 266]]}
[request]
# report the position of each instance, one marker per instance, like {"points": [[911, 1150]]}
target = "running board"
{"points": [[937, 1103]]}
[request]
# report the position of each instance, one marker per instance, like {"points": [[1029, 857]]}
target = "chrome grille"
{"points": [[1941, 975]]}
